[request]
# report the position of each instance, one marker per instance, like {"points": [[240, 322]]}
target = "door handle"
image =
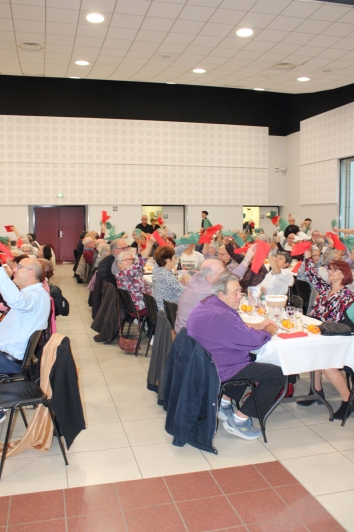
{"points": [[61, 234]]}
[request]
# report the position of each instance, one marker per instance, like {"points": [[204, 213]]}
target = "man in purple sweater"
{"points": [[216, 325]]}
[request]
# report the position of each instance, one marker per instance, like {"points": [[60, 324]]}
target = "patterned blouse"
{"points": [[327, 307], [132, 280], [165, 286]]}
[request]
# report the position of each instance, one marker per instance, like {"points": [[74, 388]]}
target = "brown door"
{"points": [[60, 227]]}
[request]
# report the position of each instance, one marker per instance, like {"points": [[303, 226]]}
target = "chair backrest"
{"points": [[171, 312], [312, 299], [297, 301], [127, 300], [151, 307], [30, 349], [303, 289]]}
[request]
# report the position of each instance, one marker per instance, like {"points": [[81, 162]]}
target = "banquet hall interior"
{"points": [[162, 107]]}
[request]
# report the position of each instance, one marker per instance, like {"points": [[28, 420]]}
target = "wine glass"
{"points": [[290, 311]]}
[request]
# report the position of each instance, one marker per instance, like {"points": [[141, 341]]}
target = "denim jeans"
{"points": [[7, 366]]}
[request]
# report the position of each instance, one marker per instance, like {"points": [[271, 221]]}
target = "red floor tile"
{"points": [[4, 508], [144, 492], [208, 514], [91, 499], [106, 522], [162, 518], [283, 525], [259, 506], [300, 501], [192, 486], [57, 525], [239, 479], [276, 474], [36, 507]]}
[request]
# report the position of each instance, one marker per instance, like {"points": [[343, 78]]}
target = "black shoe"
{"points": [[342, 410], [311, 402], [99, 338]]}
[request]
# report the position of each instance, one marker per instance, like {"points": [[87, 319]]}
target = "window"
{"points": [[346, 202]]}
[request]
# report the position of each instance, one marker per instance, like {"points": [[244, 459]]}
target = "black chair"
{"points": [[17, 394], [244, 383], [151, 308], [132, 314], [349, 373], [303, 289], [171, 312], [297, 301], [29, 354]]}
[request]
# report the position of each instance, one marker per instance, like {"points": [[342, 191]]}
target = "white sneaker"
{"points": [[135, 322], [3, 416], [152, 340]]}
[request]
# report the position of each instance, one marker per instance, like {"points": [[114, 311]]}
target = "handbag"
{"points": [[128, 345], [335, 329]]}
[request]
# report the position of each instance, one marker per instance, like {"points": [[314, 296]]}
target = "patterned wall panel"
{"points": [[328, 135], [319, 183], [28, 183], [129, 161]]}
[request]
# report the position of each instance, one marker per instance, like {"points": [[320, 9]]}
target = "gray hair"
{"points": [[273, 239], [222, 282], [87, 240], [103, 250], [122, 256], [262, 237], [208, 269], [26, 247], [329, 255]]}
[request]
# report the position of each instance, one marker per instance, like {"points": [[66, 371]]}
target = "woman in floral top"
{"points": [[333, 300], [130, 274], [165, 286]]}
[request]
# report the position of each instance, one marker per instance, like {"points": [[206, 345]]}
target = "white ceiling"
{"points": [[164, 40]]}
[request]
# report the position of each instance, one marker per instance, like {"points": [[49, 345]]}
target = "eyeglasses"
{"points": [[129, 260], [19, 266], [334, 270], [122, 249]]}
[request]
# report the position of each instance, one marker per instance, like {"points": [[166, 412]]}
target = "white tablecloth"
{"points": [[148, 279], [300, 355]]}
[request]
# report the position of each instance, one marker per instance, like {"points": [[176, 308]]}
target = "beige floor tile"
{"points": [[340, 505], [98, 437], [145, 408], [92, 378], [165, 459], [309, 415], [349, 454], [42, 473], [87, 364], [101, 467], [111, 362], [341, 438], [296, 441], [323, 473], [280, 419], [125, 375], [233, 451], [146, 431], [100, 412], [95, 394], [124, 391]]}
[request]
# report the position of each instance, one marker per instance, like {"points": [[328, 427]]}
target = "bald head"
{"points": [[28, 271], [210, 269]]}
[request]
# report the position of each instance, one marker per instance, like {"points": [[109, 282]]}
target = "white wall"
{"points": [[321, 214], [125, 219], [14, 215], [229, 217], [276, 180]]}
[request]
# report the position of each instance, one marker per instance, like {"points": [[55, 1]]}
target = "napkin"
{"points": [[159, 240], [19, 243], [239, 241], [207, 237], [192, 238], [104, 217], [6, 251], [160, 221], [261, 253], [292, 335], [8, 228], [300, 248], [296, 267], [337, 243]]}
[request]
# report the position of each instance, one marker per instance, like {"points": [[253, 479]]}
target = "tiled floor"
{"points": [[125, 440], [259, 498]]}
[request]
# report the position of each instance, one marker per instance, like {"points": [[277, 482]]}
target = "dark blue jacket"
{"points": [[191, 394]]}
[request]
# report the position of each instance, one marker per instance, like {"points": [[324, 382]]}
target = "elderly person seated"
{"points": [[317, 261], [89, 250], [217, 326], [191, 259], [103, 250], [129, 275], [139, 240], [165, 286], [278, 280], [27, 249], [210, 251]]}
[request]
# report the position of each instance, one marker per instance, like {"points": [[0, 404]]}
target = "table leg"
{"points": [[318, 396]]}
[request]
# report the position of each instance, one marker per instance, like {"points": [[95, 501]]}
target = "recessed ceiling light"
{"points": [[82, 63], [258, 89], [74, 77], [170, 83], [96, 18], [244, 32], [199, 71], [303, 79], [30, 46]]}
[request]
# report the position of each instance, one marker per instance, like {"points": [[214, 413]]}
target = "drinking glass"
{"points": [[277, 313], [290, 311]]}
